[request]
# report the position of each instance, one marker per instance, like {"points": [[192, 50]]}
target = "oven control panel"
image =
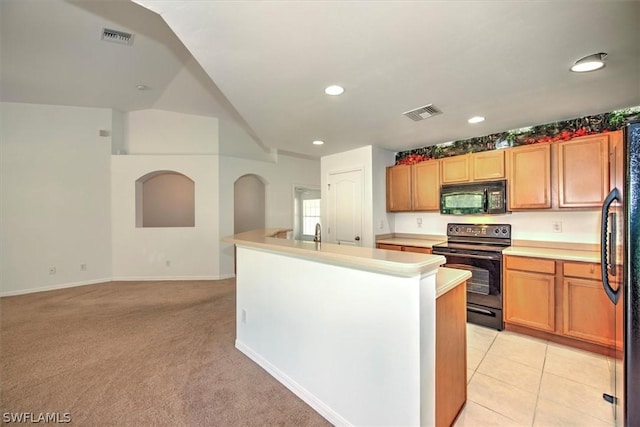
{"points": [[479, 230]]}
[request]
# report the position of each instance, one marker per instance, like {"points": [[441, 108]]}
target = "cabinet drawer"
{"points": [[389, 247], [585, 270], [536, 265], [417, 249]]}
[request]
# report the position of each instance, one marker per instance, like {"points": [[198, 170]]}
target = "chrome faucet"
{"points": [[318, 237]]}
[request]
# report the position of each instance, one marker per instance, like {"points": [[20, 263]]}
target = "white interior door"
{"points": [[345, 207]]}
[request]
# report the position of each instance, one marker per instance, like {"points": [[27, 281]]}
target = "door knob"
{"points": [[357, 238]]}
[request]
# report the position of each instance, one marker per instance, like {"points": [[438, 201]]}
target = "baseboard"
{"points": [[111, 279], [54, 287], [318, 405], [161, 278]]}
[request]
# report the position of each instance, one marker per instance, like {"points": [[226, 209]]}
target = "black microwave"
{"points": [[476, 198]]}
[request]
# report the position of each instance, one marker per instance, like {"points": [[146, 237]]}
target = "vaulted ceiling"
{"points": [[264, 65]]}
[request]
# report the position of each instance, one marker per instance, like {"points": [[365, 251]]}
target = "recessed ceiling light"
{"points": [[589, 63], [318, 142], [334, 90], [476, 119], [142, 87]]}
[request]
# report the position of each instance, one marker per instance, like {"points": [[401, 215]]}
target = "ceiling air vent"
{"points": [[423, 112], [116, 36]]}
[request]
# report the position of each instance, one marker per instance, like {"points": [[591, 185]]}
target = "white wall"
{"points": [[153, 139], [383, 222], [374, 333], [166, 132], [577, 226], [236, 138], [360, 158], [117, 132], [54, 173], [280, 179], [142, 253]]}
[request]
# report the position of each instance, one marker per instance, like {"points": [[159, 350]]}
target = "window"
{"points": [[310, 216]]}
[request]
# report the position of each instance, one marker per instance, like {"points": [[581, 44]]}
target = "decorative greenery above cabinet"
{"points": [[550, 132]]}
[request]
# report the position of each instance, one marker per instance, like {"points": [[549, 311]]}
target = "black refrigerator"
{"points": [[620, 252]]}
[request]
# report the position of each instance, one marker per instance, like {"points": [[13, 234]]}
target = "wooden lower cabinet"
{"points": [[529, 299], [562, 301], [588, 313], [451, 355], [417, 249]]}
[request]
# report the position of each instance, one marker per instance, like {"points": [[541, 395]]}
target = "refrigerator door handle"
{"points": [[612, 243], [607, 246]]}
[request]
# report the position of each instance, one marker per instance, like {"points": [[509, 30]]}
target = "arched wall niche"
{"points": [[249, 203], [165, 199]]}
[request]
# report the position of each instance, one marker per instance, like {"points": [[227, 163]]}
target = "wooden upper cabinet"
{"points": [[455, 169], [426, 186], [583, 172], [483, 166], [529, 177], [399, 188], [616, 160], [488, 165]]}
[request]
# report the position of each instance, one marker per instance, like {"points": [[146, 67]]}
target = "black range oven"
{"points": [[478, 248]]}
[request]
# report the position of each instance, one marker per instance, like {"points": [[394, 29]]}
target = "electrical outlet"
{"points": [[556, 226], [381, 224], [83, 267], [167, 263], [419, 222], [244, 316], [52, 270]]}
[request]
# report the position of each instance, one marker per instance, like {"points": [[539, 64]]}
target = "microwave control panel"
{"points": [[496, 200]]}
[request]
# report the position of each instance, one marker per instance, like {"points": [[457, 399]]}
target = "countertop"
{"points": [[449, 278], [403, 241], [378, 260], [553, 253], [549, 250]]}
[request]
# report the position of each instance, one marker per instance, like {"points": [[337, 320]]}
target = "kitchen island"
{"points": [[350, 330]]}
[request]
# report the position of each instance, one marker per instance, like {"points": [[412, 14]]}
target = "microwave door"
{"points": [[463, 203]]}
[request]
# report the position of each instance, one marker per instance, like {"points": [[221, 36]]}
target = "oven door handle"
{"points": [[481, 311], [458, 254]]}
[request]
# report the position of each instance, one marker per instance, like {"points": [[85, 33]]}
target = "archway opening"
{"points": [[165, 199], [249, 210]]}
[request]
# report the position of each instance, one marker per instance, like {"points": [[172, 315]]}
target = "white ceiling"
{"points": [[270, 61]]}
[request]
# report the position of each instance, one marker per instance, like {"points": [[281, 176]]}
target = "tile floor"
{"points": [[516, 380]]}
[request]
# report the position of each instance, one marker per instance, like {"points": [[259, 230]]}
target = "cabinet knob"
{"points": [[357, 238]]}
